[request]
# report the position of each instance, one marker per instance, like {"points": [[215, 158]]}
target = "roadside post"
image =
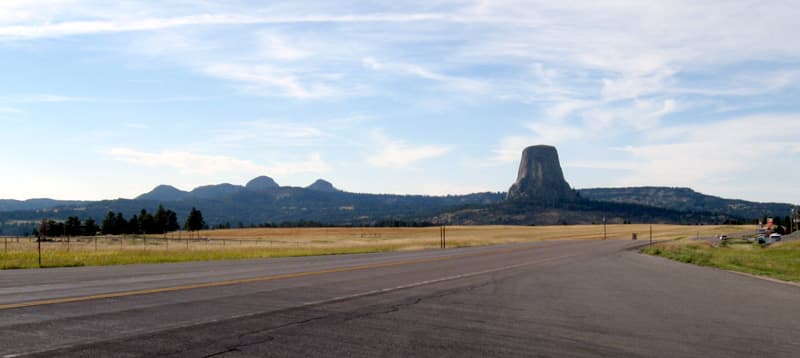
{"points": [[39, 248], [651, 235], [443, 237], [42, 234], [605, 235]]}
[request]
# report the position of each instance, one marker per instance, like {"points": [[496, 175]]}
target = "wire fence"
{"points": [[11, 244], [28, 251]]}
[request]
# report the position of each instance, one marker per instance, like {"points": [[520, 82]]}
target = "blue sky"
{"points": [[103, 101]]}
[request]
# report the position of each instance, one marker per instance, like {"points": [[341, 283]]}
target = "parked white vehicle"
{"points": [[775, 237]]}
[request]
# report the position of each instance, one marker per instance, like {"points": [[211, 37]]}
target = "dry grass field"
{"points": [[459, 236], [280, 242]]}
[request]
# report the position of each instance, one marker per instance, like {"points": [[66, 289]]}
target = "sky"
{"points": [[102, 100]]}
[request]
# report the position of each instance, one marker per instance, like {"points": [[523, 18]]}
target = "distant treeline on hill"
{"points": [[161, 222], [165, 220], [315, 224]]}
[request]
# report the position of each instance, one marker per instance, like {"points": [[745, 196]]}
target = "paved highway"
{"points": [[558, 298]]}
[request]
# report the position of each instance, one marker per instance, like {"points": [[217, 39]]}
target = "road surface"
{"points": [[557, 298]]}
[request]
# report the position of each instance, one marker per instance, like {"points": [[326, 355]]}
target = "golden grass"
{"points": [[277, 242], [470, 235]]}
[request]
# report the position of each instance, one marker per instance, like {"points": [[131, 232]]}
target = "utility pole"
{"points": [[42, 233], [605, 234], [443, 237]]}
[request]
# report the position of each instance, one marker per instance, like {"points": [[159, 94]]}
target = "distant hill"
{"points": [[35, 204], [685, 199], [322, 185], [579, 211], [215, 191], [164, 193], [262, 183]]}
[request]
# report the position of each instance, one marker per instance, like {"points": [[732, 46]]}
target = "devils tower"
{"points": [[540, 178]]}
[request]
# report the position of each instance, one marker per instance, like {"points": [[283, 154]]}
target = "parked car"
{"points": [[723, 237], [775, 237]]}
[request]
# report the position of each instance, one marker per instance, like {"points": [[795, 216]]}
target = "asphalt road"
{"points": [[591, 298]]}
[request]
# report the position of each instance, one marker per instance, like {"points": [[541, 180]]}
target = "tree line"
{"points": [[160, 222], [70, 227]]}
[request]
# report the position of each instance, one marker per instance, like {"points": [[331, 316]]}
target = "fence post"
{"points": [[39, 246], [95, 243]]}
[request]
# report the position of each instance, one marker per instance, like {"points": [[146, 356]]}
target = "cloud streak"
{"points": [[189, 163], [397, 154], [73, 28]]}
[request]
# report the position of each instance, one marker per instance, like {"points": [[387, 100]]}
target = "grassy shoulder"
{"points": [[780, 260]]}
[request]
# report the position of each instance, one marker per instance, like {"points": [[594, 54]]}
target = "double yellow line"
{"points": [[246, 280]]}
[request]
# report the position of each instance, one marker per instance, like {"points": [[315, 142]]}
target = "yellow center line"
{"points": [[245, 280]]}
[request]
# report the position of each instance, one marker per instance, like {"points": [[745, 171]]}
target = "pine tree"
{"points": [[195, 221], [107, 226], [89, 227]]}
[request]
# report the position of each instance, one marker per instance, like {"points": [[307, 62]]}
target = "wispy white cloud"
{"points": [[312, 164], [278, 47], [398, 154], [704, 153], [452, 82], [189, 163], [510, 148], [41, 98], [266, 80], [271, 132], [72, 28], [10, 110]]}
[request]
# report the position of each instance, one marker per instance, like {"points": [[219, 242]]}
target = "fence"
{"points": [[21, 252], [115, 243]]}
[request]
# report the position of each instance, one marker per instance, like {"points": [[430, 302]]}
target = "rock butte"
{"points": [[540, 177]]}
